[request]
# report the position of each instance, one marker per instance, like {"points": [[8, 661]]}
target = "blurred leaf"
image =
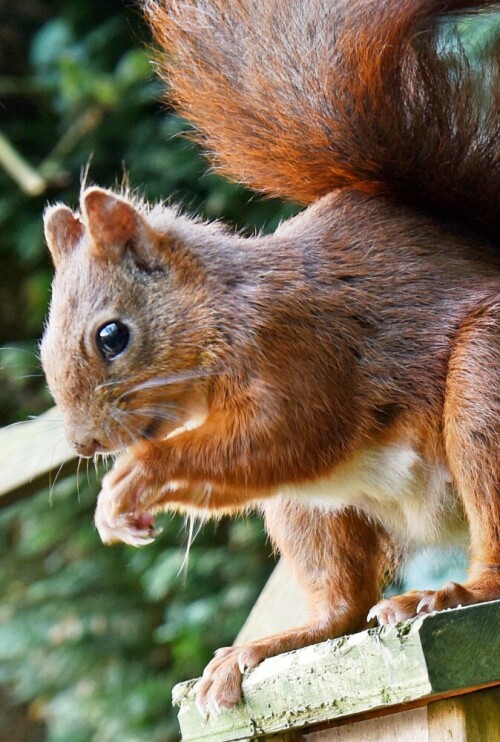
{"points": [[50, 44]]}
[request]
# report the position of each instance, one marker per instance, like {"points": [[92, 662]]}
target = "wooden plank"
{"points": [[376, 669], [29, 453], [280, 606], [474, 717], [406, 726], [471, 718]]}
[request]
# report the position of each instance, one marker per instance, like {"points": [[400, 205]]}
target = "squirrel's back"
{"points": [[299, 97]]}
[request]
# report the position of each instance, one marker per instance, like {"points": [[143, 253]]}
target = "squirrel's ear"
{"points": [[112, 222], [63, 231]]}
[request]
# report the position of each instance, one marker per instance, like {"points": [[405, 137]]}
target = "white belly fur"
{"points": [[413, 499]]}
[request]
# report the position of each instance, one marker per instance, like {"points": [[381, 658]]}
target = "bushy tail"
{"points": [[299, 97]]}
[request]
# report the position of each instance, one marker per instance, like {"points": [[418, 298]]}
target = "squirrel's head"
{"points": [[128, 346]]}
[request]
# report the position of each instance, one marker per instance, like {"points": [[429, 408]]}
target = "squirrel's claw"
{"points": [[119, 513], [402, 607], [220, 685], [122, 531]]}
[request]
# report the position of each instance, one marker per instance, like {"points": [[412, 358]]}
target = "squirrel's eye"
{"points": [[112, 339]]}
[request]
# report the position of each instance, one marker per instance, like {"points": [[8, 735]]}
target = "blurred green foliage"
{"points": [[93, 639]]}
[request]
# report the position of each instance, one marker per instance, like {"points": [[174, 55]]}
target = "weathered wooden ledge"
{"points": [[386, 669], [29, 453]]}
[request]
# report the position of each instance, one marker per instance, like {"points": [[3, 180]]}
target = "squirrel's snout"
{"points": [[87, 448]]}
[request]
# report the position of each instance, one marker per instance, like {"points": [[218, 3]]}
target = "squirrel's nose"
{"points": [[86, 448]]}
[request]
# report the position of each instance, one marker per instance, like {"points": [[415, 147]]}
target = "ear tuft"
{"points": [[112, 222], [63, 231]]}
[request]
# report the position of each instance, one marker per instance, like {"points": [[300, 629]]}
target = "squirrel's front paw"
{"points": [[123, 505], [220, 685]]}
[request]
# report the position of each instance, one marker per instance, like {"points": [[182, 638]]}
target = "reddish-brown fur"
{"points": [[357, 348]]}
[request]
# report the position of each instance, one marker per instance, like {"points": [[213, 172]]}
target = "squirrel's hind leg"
{"points": [[339, 558], [472, 440], [472, 444]]}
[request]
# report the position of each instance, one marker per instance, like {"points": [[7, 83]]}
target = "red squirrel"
{"points": [[342, 374]]}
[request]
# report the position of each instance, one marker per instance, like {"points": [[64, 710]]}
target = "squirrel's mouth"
{"points": [[153, 430]]}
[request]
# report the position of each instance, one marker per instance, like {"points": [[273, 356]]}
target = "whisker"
{"points": [[87, 464], [166, 381], [15, 370], [42, 452], [159, 406], [152, 412], [118, 440], [31, 376], [17, 349], [117, 415], [33, 419], [107, 433], [51, 491], [78, 478], [185, 561], [110, 382], [195, 524]]}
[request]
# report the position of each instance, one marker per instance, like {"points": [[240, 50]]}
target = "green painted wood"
{"points": [[462, 647], [376, 669]]}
